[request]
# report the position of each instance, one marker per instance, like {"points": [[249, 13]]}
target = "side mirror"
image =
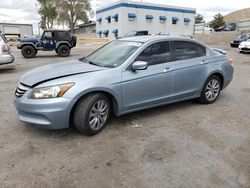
{"points": [[140, 65]]}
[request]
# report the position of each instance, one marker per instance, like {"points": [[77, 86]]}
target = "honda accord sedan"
{"points": [[124, 76]]}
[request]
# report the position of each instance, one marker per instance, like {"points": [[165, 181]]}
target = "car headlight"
{"points": [[51, 91]]}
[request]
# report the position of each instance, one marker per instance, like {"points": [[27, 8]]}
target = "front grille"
{"points": [[21, 90]]}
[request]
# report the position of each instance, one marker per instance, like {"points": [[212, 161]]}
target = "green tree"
{"points": [[217, 21], [73, 11], [48, 13], [199, 18]]}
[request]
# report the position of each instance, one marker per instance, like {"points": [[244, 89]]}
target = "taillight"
{"points": [[230, 61], [5, 49]]}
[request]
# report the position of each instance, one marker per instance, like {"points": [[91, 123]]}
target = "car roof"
{"points": [[59, 30], [148, 38]]}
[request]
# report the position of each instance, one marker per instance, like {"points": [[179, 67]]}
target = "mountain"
{"points": [[234, 17]]}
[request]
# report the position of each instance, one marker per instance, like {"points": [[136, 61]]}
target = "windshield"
{"points": [[113, 54], [243, 37]]}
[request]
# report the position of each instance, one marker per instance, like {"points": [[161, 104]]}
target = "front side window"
{"points": [[156, 54], [188, 50], [113, 54], [48, 35]]}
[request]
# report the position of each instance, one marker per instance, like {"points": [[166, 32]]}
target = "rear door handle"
{"points": [[167, 69]]}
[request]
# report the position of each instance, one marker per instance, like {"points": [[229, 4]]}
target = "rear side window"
{"points": [[188, 50], [156, 54], [62, 35]]}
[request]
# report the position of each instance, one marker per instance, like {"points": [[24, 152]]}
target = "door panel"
{"points": [[148, 87], [190, 76], [190, 69]]}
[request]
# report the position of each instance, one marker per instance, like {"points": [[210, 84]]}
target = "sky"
{"points": [[25, 11]]}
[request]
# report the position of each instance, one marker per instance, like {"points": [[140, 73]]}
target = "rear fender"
{"points": [[62, 42]]}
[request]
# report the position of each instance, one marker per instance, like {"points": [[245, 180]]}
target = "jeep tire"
{"points": [[28, 51], [63, 50]]}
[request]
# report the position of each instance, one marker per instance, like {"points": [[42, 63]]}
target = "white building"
{"points": [[119, 18], [14, 29]]}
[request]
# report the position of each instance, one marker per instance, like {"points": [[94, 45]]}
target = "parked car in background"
{"points": [[59, 40], [221, 28], [136, 33], [124, 76], [208, 30], [5, 52], [236, 42], [245, 46]]}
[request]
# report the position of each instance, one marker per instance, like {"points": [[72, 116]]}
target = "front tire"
{"points": [[28, 51], [91, 114], [211, 90], [63, 51]]}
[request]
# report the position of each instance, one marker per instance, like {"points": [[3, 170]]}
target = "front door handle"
{"points": [[204, 62]]}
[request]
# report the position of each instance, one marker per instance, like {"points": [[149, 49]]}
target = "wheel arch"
{"points": [[28, 44], [62, 43], [112, 99], [220, 75]]}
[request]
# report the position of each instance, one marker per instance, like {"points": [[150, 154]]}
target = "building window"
{"points": [[131, 16], [186, 21], [115, 32], [99, 33], [99, 20], [163, 19], [108, 18], [115, 17], [149, 17], [106, 33], [175, 20]]}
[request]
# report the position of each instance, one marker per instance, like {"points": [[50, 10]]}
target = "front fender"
{"points": [[115, 95], [26, 43]]}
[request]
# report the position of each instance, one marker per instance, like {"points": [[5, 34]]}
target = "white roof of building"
{"points": [[153, 6]]}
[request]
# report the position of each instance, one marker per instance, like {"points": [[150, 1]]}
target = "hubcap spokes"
{"points": [[98, 114], [212, 89]]}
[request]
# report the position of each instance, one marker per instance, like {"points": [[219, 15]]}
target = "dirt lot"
{"points": [[179, 145]]}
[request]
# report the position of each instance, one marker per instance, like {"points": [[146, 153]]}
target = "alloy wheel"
{"points": [[212, 89], [98, 114]]}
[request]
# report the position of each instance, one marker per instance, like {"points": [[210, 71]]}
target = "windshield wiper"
{"points": [[83, 59], [92, 63]]}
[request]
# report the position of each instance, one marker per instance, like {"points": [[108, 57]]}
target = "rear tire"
{"points": [[63, 51], [211, 90], [91, 114], [28, 51]]}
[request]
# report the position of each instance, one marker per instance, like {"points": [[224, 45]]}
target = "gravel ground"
{"points": [[180, 145]]}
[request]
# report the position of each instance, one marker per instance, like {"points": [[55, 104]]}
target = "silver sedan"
{"points": [[5, 53], [124, 76]]}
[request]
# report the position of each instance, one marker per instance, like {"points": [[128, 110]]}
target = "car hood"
{"points": [[33, 40], [58, 70], [245, 43]]}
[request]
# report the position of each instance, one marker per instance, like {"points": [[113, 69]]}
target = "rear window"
{"points": [[188, 50], [2, 40]]}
